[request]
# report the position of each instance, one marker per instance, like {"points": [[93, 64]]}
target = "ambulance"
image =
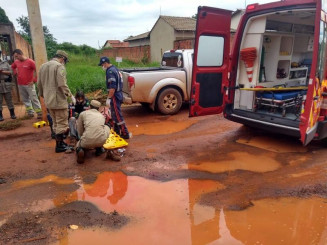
{"points": [[273, 76]]}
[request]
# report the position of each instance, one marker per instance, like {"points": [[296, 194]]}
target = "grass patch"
{"points": [[10, 125], [83, 72]]}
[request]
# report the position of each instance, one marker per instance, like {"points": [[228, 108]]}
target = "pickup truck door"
{"points": [[211, 60]]}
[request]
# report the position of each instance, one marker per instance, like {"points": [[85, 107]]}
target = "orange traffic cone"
{"points": [[248, 55]]}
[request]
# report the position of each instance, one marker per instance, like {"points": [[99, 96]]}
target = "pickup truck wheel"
{"points": [[169, 101]]}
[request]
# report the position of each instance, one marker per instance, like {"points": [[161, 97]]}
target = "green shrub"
{"points": [[83, 72]]}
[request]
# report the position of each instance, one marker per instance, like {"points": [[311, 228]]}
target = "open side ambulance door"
{"points": [[310, 111], [211, 59]]}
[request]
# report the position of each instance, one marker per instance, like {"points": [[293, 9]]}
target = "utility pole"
{"points": [[39, 50]]}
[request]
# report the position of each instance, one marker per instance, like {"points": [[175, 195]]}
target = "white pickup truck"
{"points": [[163, 88]]}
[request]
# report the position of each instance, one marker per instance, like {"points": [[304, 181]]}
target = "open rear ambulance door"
{"points": [[210, 62], [310, 111]]}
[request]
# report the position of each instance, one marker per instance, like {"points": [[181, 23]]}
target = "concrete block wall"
{"points": [[135, 54]]}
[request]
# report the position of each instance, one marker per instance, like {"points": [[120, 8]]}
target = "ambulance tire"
{"points": [[324, 142], [169, 101]]}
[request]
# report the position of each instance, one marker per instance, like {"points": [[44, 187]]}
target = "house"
{"points": [[166, 31], [139, 40], [236, 16], [115, 44], [9, 41]]}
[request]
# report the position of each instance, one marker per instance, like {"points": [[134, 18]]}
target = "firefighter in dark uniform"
{"points": [[5, 88], [82, 104], [114, 83]]}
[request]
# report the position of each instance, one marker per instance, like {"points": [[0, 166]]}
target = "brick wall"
{"points": [[135, 54], [184, 44]]}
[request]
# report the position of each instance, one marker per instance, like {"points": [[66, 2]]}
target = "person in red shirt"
{"points": [[25, 70]]}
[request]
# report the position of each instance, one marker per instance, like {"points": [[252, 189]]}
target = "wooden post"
{"points": [[39, 49]]}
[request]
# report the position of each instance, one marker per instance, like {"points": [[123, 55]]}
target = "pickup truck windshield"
{"points": [[172, 59]]}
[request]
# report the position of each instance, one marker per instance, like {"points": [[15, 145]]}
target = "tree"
{"points": [[195, 16], [25, 32], [3, 17]]}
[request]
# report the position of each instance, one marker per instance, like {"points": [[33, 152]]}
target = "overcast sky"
{"points": [[92, 22]]}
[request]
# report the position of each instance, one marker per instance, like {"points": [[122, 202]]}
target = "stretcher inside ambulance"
{"points": [[274, 75]]}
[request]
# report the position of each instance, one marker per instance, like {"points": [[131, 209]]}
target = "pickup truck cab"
{"points": [[274, 77], [163, 88]]}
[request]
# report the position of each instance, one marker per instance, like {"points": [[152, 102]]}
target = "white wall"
{"points": [[162, 38]]}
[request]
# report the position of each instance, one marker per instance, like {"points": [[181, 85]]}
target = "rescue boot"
{"points": [[1, 116], [99, 151], [80, 155], [61, 146], [12, 113]]}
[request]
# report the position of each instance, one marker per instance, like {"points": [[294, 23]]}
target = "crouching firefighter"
{"points": [[92, 131]]}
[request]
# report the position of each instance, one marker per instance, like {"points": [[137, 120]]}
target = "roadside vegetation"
{"points": [[12, 124], [83, 72]]}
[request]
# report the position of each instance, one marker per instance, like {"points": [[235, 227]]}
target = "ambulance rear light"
{"points": [[252, 6], [131, 81]]}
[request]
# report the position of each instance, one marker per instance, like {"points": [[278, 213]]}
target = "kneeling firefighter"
{"points": [[92, 131]]}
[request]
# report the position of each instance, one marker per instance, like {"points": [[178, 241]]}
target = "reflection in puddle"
{"points": [[172, 213], [239, 160], [158, 128], [272, 144]]}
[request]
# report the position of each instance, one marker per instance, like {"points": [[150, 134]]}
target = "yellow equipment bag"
{"points": [[114, 141], [39, 124]]}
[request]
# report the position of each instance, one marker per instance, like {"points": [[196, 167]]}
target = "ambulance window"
{"points": [[210, 51]]}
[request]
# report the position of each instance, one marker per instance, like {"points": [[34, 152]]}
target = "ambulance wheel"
{"points": [[324, 142], [169, 101]]}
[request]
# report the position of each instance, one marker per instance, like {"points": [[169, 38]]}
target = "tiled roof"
{"points": [[113, 41], [141, 36], [180, 23]]}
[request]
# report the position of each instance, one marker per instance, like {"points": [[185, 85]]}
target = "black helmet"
{"points": [[79, 94]]}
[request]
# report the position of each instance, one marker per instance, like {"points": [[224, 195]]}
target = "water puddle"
{"points": [[171, 213], [280, 221], [46, 179], [272, 144], [159, 128], [297, 175], [239, 160]]}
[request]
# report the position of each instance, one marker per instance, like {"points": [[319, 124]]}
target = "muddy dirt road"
{"points": [[183, 181]]}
